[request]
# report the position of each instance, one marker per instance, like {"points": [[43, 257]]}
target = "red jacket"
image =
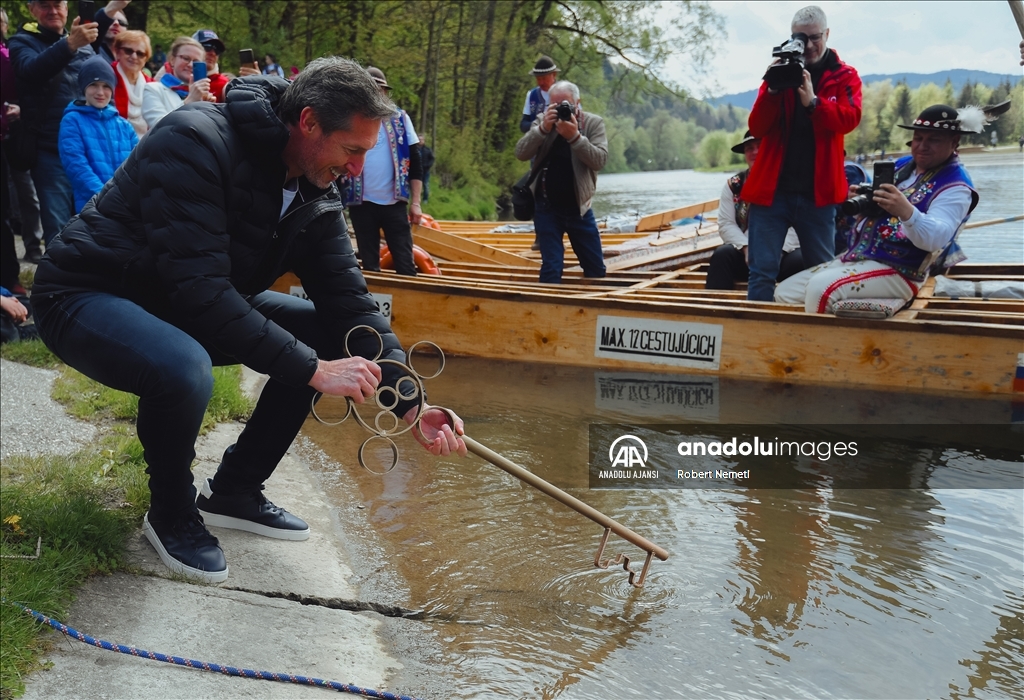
{"points": [[837, 114], [121, 91]]}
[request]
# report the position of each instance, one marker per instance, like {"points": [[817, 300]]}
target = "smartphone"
{"points": [[198, 70], [86, 11], [246, 57], [885, 173]]}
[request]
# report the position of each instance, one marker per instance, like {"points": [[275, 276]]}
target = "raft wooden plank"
{"points": [[662, 220], [452, 247], [758, 341]]}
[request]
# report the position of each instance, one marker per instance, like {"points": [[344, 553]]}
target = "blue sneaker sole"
{"points": [[177, 566]]}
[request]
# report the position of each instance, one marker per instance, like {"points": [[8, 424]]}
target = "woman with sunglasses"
{"points": [[132, 49]]}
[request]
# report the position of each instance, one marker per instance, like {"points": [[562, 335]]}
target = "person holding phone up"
{"points": [[904, 230], [178, 87], [46, 59]]}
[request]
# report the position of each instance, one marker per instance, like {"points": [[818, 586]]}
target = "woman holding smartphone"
{"points": [[177, 87]]}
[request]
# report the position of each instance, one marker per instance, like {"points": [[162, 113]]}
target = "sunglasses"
{"points": [[121, 22], [211, 47], [132, 52]]}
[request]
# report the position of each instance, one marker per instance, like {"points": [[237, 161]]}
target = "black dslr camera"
{"points": [[564, 111], [864, 202], [789, 71]]}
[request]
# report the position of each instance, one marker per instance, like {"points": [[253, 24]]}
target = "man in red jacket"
{"points": [[798, 176]]}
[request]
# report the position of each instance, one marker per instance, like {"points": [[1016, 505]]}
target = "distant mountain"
{"points": [[958, 75]]}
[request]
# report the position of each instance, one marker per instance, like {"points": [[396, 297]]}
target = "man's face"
{"points": [[181, 64], [817, 38], [119, 24], [750, 149], [323, 158], [211, 58], [51, 14], [932, 148], [546, 80], [557, 98], [98, 95]]}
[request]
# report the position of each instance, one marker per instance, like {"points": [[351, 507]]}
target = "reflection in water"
{"points": [[873, 593]]}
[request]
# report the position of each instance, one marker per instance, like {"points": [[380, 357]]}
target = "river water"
{"points": [[913, 590], [998, 177]]}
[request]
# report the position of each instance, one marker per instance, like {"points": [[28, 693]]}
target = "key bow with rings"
{"points": [[411, 387]]}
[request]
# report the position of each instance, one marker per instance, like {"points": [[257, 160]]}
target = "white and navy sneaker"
{"points": [[249, 511], [186, 547]]}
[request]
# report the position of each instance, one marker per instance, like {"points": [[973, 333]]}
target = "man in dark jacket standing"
{"points": [[798, 177], [165, 274], [46, 60]]}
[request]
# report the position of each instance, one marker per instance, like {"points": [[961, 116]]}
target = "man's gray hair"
{"points": [[335, 88], [812, 14], [565, 86]]}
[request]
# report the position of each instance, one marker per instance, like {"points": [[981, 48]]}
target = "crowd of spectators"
{"points": [[78, 95]]}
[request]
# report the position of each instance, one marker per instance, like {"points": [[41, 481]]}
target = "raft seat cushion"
{"points": [[868, 308]]}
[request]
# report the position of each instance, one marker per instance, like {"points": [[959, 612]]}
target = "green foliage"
{"points": [[885, 106], [715, 149], [79, 506]]}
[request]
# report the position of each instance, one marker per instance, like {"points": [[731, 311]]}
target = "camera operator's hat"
{"points": [[378, 77], [209, 39], [968, 120], [747, 138], [544, 65]]}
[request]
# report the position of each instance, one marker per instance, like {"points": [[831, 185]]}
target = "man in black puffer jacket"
{"points": [[164, 274]]}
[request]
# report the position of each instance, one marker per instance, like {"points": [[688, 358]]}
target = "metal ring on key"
{"points": [[412, 349], [312, 409], [394, 454]]}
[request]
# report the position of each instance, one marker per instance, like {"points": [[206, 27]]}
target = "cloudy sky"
{"points": [[874, 37]]}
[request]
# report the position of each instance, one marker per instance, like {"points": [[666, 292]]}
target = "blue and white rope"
{"points": [[215, 668]]}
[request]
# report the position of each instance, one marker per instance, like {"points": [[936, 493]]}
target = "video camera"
{"points": [[789, 71], [864, 202]]}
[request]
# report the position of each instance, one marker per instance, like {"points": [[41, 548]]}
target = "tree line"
{"points": [[461, 70]]}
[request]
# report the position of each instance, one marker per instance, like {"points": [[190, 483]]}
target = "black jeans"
{"points": [[728, 267], [368, 219], [120, 344]]}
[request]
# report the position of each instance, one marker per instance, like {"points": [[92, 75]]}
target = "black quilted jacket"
{"points": [[189, 229]]}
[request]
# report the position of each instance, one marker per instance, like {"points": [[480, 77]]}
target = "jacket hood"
{"points": [[42, 32], [80, 106], [252, 103]]}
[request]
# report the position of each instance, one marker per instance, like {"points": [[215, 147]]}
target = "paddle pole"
{"points": [[562, 497], [992, 222], [410, 387], [1017, 7]]}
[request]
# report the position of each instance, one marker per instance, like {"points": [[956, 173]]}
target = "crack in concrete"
{"points": [[337, 603]]}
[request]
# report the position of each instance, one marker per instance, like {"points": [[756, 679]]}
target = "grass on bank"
{"points": [[84, 506]]}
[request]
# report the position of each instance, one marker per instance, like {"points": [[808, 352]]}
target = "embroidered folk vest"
{"points": [[398, 143], [537, 102], [742, 208], [881, 238]]}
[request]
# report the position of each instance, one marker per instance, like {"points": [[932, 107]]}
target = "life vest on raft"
{"points": [[424, 263]]}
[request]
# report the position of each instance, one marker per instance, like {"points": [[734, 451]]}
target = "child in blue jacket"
{"points": [[94, 138]]}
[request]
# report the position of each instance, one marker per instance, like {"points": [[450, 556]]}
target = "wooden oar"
{"points": [[992, 222]]}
